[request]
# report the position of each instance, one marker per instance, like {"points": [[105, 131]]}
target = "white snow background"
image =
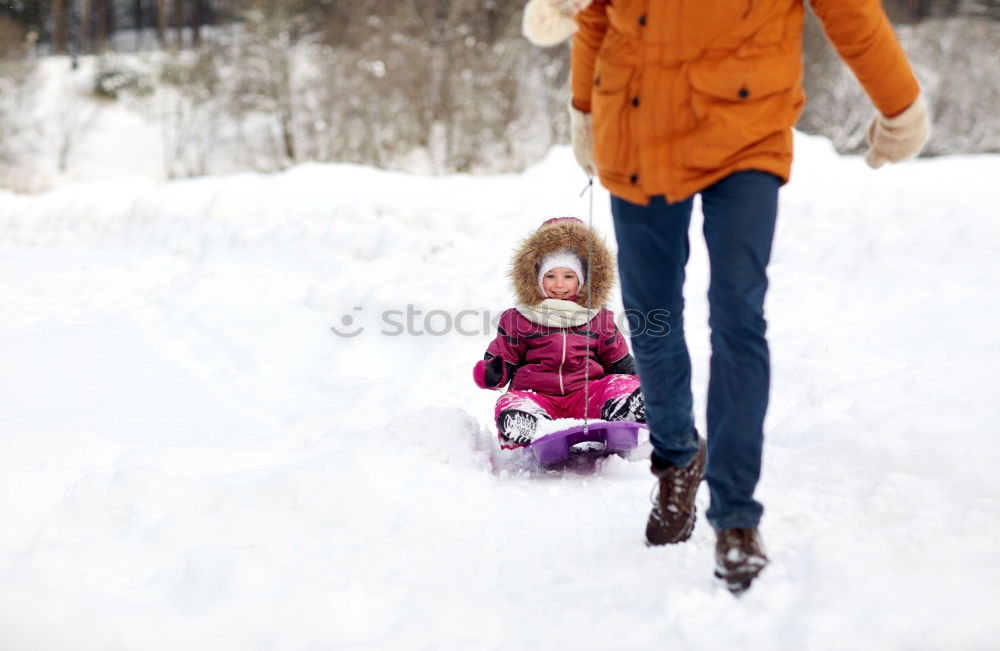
{"points": [[191, 459]]}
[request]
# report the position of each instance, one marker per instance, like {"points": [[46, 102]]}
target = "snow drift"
{"points": [[192, 458]]}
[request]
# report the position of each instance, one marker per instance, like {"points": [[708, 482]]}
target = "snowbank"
{"points": [[191, 458]]}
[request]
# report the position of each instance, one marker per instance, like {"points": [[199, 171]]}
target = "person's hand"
{"points": [[550, 22], [895, 139], [489, 373], [582, 132]]}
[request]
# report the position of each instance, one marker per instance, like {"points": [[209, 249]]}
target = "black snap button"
{"points": [[597, 80], [642, 20], [744, 93], [634, 179], [635, 101]]}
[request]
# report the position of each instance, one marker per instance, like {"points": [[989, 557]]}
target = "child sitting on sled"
{"points": [[547, 341]]}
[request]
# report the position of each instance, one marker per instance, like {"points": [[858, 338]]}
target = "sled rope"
{"points": [[590, 248]]}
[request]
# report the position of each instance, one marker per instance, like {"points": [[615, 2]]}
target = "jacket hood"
{"points": [[556, 235]]}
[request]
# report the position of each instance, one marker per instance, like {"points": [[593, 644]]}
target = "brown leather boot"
{"points": [[673, 515], [739, 557]]}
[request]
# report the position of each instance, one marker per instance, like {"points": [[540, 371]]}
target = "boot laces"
{"points": [[673, 503]]}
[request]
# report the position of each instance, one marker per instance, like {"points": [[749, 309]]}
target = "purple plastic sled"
{"points": [[618, 436]]}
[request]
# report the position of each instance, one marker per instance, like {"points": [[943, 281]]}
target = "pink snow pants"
{"points": [[609, 387]]}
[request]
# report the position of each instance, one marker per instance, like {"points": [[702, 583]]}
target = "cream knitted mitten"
{"points": [[550, 22], [895, 139]]}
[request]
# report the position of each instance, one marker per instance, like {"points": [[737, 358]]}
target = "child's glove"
{"points": [[550, 22], [582, 130], [895, 139], [490, 373]]}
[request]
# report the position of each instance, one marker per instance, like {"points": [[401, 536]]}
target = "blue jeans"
{"points": [[740, 212]]}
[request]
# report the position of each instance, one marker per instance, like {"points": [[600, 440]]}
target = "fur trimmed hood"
{"points": [[555, 235]]}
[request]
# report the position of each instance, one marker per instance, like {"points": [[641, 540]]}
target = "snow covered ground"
{"points": [[191, 458]]}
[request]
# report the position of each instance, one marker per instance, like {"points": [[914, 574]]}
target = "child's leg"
{"points": [[617, 397], [517, 414], [612, 397]]}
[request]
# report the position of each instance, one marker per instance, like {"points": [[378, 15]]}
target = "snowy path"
{"points": [[189, 458]]}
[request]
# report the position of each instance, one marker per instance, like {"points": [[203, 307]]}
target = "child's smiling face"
{"points": [[560, 283]]}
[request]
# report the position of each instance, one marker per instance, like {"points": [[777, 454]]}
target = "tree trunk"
{"points": [[178, 23], [103, 22], [286, 110], [137, 22], [197, 15], [85, 41], [109, 18], [161, 21], [59, 26]]}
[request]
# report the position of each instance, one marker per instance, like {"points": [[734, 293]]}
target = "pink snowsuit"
{"points": [[545, 348], [547, 367]]}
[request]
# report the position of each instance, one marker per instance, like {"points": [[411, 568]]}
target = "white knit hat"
{"points": [[565, 258]]}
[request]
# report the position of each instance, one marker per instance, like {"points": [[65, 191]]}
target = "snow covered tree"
{"points": [[269, 70], [17, 125], [190, 106]]}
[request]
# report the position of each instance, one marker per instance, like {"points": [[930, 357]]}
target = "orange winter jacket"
{"points": [[685, 92]]}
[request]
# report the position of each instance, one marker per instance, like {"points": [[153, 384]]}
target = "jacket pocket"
{"points": [[740, 108], [612, 116]]}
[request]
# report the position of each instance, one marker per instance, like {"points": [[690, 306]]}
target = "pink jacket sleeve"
{"points": [[507, 345]]}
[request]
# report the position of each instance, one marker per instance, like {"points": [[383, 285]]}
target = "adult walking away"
{"points": [[673, 99]]}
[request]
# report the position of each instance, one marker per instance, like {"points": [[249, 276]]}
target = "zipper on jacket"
{"points": [[562, 390]]}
